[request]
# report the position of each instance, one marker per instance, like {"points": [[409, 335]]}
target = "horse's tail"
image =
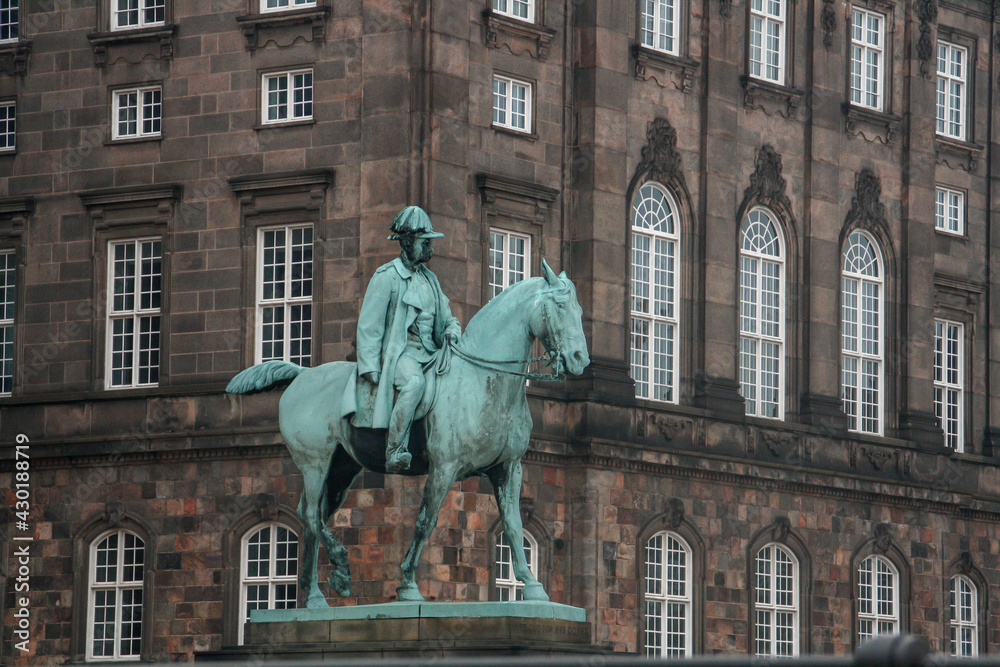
{"points": [[265, 376]]}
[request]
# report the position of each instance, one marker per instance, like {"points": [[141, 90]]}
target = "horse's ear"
{"points": [[563, 276], [550, 275]]}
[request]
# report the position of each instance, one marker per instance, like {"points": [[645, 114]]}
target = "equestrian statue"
{"points": [[422, 399]]}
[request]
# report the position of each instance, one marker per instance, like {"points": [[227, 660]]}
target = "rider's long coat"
{"points": [[386, 315]]}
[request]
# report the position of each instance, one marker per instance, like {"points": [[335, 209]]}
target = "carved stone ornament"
{"points": [[964, 564], [266, 506], [663, 68], [527, 508], [927, 11], [780, 529], [675, 513], [883, 537], [906, 463], [877, 456], [668, 426], [777, 443], [867, 210], [852, 455], [726, 8], [659, 156], [828, 20], [114, 513], [767, 185]]}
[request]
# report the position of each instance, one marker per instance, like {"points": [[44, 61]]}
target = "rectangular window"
{"points": [[9, 20], [131, 14], [135, 277], [511, 104], [948, 382], [510, 257], [284, 294], [952, 74], [767, 40], [8, 127], [867, 58], [658, 27], [8, 275], [282, 5], [516, 9], [137, 112], [950, 213], [287, 96]]}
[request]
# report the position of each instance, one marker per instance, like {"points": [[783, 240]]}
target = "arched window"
{"points": [[668, 596], [270, 568], [878, 598], [964, 617], [506, 587], [762, 321], [862, 348], [776, 603], [115, 605], [655, 262]]}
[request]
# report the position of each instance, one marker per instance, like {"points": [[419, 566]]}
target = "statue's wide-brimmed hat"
{"points": [[413, 221]]}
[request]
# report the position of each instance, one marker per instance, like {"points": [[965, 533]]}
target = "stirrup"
{"points": [[398, 462]]}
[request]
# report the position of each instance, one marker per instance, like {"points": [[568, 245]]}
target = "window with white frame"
{"points": [[949, 359], [287, 96], [8, 274], [659, 25], [8, 126], [134, 300], [516, 9], [284, 294], [655, 262], [512, 103], [767, 40], [506, 587], [950, 212], [762, 335], [862, 334], [510, 258], [9, 20], [282, 5], [964, 617], [867, 58], [878, 598], [114, 611], [952, 89], [137, 112], [776, 605], [131, 14], [668, 592], [269, 570]]}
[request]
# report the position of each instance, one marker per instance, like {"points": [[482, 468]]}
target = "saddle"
{"points": [[438, 365]]}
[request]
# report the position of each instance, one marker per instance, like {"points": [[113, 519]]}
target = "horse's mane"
{"points": [[513, 291]]}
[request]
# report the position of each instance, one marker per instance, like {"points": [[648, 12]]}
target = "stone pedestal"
{"points": [[401, 629]]}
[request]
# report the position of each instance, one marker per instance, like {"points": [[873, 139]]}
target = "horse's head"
{"points": [[558, 321]]}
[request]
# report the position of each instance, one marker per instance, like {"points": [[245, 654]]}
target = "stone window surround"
{"points": [[298, 197], [10, 99], [882, 544], [257, 21], [963, 233], [106, 36], [514, 33], [265, 508], [543, 552], [14, 53], [673, 521], [120, 214], [867, 122], [961, 385], [114, 517], [531, 102], [262, 74], [961, 153], [113, 93], [780, 532], [965, 566], [783, 99], [14, 215], [957, 300]]}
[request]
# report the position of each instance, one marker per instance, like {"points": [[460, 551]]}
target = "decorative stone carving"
{"points": [[675, 513], [133, 46], [517, 36], [927, 13], [778, 444], [14, 214], [751, 441], [852, 455], [772, 99], [640, 425], [957, 154], [871, 125], [664, 68], [883, 538], [659, 156], [906, 463], [284, 28], [964, 563], [767, 185], [114, 513], [266, 506], [14, 58], [527, 508], [877, 456], [780, 529], [867, 210], [828, 21], [668, 426], [726, 8]]}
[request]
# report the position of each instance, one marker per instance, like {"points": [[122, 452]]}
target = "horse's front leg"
{"points": [[506, 479], [439, 481]]}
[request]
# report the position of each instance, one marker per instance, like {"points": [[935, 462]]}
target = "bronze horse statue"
{"points": [[479, 424]]}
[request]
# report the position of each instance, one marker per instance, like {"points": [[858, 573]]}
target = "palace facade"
{"points": [[778, 215]]}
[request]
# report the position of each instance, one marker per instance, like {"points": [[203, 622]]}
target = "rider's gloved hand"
{"points": [[451, 338]]}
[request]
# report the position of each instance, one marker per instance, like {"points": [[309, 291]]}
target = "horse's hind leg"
{"points": [[343, 470], [506, 479], [439, 481], [312, 495]]}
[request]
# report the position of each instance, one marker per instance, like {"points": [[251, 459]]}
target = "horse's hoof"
{"points": [[409, 593], [341, 583], [535, 592], [316, 601]]}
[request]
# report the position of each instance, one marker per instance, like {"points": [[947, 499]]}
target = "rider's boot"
{"points": [[397, 458]]}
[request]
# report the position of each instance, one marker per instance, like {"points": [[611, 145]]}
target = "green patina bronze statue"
{"points": [[464, 397]]}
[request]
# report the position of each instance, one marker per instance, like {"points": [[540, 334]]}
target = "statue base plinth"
{"points": [[400, 629]]}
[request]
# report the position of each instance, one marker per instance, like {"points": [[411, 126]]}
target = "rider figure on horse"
{"points": [[405, 319]]}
